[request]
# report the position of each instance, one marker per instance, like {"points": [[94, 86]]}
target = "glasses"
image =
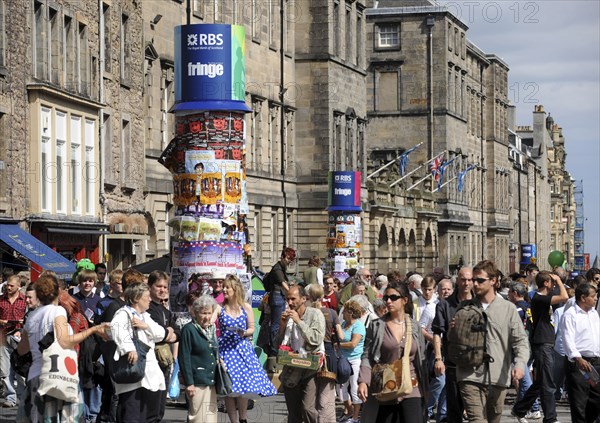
{"points": [[597, 279], [392, 297], [480, 280], [367, 276]]}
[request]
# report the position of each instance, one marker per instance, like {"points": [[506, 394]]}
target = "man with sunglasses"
{"points": [[483, 388], [364, 276], [593, 277], [444, 313]]}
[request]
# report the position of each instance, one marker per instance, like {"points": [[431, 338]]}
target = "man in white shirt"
{"points": [[580, 326]]}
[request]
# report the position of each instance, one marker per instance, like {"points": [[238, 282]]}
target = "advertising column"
{"points": [[207, 159], [344, 231]]}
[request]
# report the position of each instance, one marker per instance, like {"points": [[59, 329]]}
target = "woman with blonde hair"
{"points": [[236, 324]]}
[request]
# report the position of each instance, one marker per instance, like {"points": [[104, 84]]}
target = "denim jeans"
{"points": [[437, 394], [543, 384], [524, 385], [278, 304], [9, 377], [91, 401]]}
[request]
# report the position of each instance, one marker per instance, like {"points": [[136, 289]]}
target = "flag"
{"points": [[435, 167], [404, 159], [442, 171], [461, 177]]}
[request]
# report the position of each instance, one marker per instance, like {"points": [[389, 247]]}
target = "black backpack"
{"points": [[267, 282], [467, 337]]}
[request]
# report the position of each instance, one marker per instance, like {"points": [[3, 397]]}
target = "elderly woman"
{"points": [[48, 317], [197, 361], [140, 401], [384, 343]]}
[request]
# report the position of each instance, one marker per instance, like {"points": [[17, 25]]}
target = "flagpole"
{"points": [[397, 181], [419, 181], [443, 185], [410, 150]]}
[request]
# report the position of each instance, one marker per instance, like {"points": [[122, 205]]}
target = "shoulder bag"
{"points": [[392, 381], [124, 372], [59, 377], [344, 368]]}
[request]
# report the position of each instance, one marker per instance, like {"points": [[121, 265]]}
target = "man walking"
{"points": [[303, 328], [444, 313], [483, 388], [542, 343], [13, 305], [579, 327]]}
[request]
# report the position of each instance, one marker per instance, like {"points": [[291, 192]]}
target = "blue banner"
{"points": [[209, 67], [528, 252], [344, 191]]}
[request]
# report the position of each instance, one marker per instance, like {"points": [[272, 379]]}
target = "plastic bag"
{"points": [[174, 382]]}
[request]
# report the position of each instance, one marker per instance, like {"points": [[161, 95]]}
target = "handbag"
{"points": [[164, 355], [325, 374], [174, 386], [21, 363], [223, 384], [392, 381], [59, 377], [124, 372], [344, 368]]}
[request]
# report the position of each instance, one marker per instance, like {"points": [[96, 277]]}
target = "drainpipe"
{"points": [[282, 119], [482, 134], [101, 126], [430, 22]]}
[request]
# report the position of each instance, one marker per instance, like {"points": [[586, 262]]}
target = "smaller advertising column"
{"points": [[528, 255], [344, 229]]}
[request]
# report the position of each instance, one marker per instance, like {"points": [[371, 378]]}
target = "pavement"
{"points": [[273, 410]]}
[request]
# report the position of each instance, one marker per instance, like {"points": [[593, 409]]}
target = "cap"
{"points": [[218, 275]]}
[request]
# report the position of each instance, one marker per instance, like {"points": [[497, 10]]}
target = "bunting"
{"points": [[404, 159], [461, 177], [442, 171]]}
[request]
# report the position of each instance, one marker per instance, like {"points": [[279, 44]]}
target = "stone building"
{"points": [[62, 116], [429, 84]]}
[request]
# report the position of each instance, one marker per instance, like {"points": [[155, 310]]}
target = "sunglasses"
{"points": [[480, 280], [392, 297]]}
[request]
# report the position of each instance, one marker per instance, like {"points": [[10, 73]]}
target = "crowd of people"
{"points": [[542, 336]]}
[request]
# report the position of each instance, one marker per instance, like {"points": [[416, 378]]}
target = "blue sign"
{"points": [[344, 191], [209, 67], [528, 252]]}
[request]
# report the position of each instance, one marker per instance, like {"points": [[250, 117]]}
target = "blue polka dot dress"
{"points": [[248, 377]]}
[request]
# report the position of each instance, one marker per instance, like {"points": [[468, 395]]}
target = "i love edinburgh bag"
{"points": [[59, 377], [392, 381]]}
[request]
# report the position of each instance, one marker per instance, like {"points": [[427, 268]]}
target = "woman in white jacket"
{"points": [[138, 402]]}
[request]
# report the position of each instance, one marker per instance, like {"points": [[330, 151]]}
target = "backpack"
{"points": [[267, 282], [467, 338]]}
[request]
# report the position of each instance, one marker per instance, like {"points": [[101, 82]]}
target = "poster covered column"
{"points": [[206, 159], [344, 229]]}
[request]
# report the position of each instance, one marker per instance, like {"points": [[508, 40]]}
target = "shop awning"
{"points": [[35, 250]]}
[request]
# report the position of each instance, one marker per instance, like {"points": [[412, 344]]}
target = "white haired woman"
{"points": [[198, 349]]}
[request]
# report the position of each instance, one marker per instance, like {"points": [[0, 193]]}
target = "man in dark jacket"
{"points": [[158, 281], [279, 288]]}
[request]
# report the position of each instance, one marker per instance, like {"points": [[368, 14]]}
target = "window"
{"points": [[91, 172], [359, 38], [107, 45], [84, 61], [75, 164], [125, 51], [450, 37], [256, 18], [126, 151], [272, 25], [349, 31], [55, 47], [388, 36], [2, 35], [335, 29], [107, 148], [70, 60], [61, 162], [46, 150], [198, 9], [39, 37]]}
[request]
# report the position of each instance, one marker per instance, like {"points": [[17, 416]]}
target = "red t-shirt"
{"points": [[12, 313], [330, 301]]}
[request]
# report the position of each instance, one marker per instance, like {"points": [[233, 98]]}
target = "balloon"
{"points": [[556, 258]]}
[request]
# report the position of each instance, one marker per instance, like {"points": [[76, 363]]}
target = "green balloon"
{"points": [[556, 258]]}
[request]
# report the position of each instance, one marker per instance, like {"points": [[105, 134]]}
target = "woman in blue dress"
{"points": [[236, 322]]}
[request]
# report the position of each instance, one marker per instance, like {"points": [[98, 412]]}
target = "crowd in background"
{"points": [[543, 326]]}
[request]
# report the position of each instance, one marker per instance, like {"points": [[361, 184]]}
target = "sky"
{"points": [[552, 48]]}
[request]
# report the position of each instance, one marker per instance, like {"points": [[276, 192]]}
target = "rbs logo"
{"points": [[343, 178], [204, 40]]}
